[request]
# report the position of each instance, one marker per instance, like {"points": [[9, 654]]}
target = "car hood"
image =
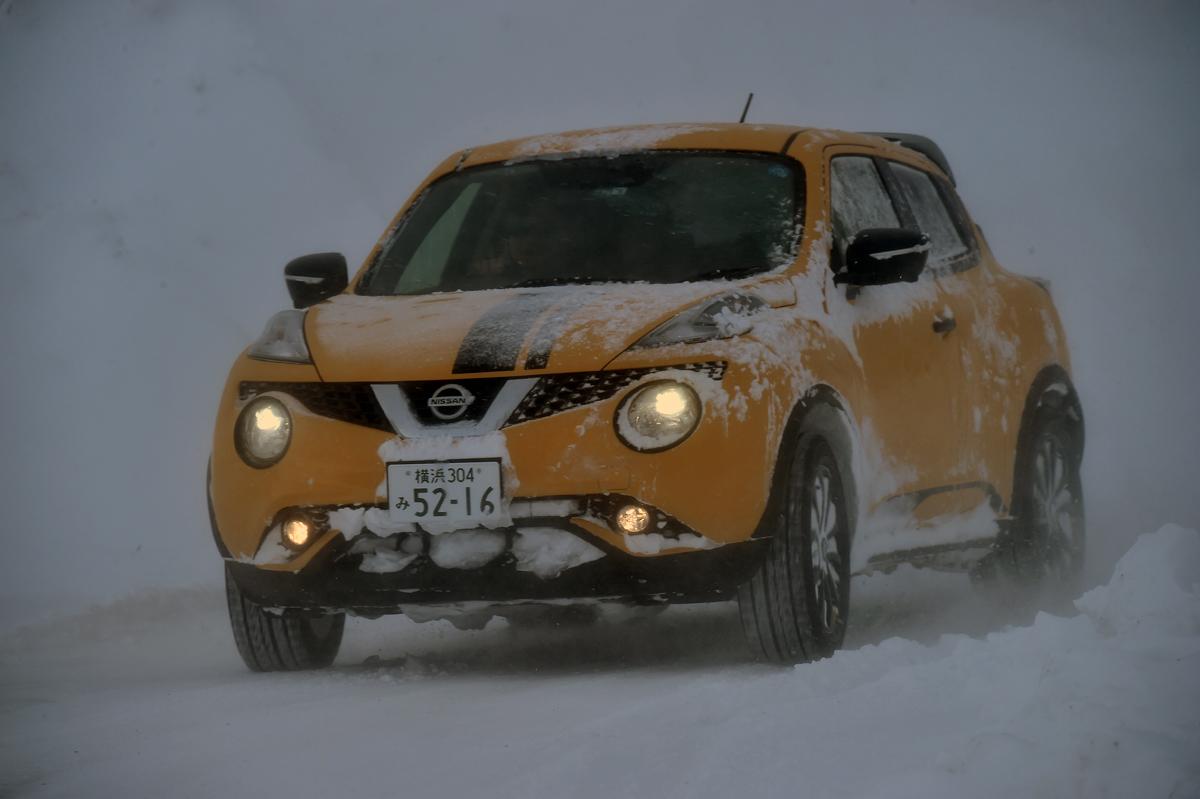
{"points": [[513, 331]]}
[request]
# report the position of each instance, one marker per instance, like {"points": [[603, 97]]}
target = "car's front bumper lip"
{"points": [[335, 583], [588, 516]]}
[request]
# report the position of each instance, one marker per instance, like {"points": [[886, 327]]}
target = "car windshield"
{"points": [[656, 217]]}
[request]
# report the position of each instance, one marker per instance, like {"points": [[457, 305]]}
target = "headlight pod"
{"points": [[282, 339], [658, 415], [263, 432], [726, 316]]}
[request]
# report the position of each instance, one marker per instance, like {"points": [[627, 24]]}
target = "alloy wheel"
{"points": [[824, 522], [1055, 509]]}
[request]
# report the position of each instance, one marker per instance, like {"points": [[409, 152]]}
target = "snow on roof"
{"points": [[707, 135]]}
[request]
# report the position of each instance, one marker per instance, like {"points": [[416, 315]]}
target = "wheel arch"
{"points": [[1020, 551], [1051, 389], [212, 514], [821, 412]]}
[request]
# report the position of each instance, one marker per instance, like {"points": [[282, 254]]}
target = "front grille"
{"points": [[482, 391], [355, 403], [557, 393], [347, 402]]}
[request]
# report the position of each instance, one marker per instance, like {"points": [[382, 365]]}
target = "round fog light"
{"points": [[296, 533], [633, 519]]}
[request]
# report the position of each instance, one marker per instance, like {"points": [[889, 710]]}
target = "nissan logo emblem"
{"points": [[450, 402]]}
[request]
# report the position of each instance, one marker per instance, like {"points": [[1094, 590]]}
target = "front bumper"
{"points": [[716, 483], [333, 581]]}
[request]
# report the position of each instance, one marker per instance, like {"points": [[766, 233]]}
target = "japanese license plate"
{"points": [[444, 491]]}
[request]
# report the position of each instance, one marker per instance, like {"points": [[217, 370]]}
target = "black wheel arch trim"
{"points": [[212, 515], [1041, 395], [820, 411]]}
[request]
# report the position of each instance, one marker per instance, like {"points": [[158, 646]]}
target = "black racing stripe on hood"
{"points": [[551, 330], [494, 343]]}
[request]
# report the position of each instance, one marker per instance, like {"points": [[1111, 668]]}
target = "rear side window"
{"points": [[930, 213]]}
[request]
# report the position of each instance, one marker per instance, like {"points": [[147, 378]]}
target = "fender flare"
{"points": [[1052, 387], [822, 412], [212, 514]]}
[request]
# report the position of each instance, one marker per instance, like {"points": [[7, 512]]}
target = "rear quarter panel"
{"points": [[1015, 335]]}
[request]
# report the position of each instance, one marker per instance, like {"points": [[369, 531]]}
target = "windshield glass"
{"points": [[657, 217]]}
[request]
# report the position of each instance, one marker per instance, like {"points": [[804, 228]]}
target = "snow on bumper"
{"points": [[543, 537], [544, 571]]}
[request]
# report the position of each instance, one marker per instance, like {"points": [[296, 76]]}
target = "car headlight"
{"points": [[724, 317], [282, 339], [263, 432], [658, 415]]}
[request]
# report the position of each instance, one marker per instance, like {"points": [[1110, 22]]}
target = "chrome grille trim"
{"points": [[396, 408]]}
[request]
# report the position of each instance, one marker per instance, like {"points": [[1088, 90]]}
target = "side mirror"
{"points": [[878, 256], [316, 277]]}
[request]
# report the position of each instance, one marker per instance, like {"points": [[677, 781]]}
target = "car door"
{"points": [[911, 415], [927, 204]]}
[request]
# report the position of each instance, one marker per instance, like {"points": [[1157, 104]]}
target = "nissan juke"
{"points": [[647, 365]]}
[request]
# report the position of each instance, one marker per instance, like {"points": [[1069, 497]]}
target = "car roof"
{"points": [[681, 136]]}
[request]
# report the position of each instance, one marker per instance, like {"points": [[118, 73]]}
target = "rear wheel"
{"points": [[1048, 536], [1038, 561], [272, 642], [796, 606]]}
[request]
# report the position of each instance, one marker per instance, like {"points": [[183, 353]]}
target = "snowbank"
{"points": [[1155, 585]]}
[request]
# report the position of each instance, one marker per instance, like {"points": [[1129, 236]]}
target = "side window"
{"points": [[930, 213], [858, 200]]}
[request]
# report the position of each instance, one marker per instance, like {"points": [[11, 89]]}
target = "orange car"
{"points": [[647, 365]]}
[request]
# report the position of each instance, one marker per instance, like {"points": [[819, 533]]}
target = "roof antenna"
{"points": [[746, 110]]}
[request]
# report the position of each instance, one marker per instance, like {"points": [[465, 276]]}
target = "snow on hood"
{"points": [[436, 336]]}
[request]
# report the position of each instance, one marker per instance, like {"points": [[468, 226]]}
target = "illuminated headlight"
{"points": [[658, 416], [263, 432]]}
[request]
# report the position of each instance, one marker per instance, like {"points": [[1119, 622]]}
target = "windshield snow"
{"points": [[656, 217]]}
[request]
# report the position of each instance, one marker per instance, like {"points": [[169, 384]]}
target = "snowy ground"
{"points": [[147, 698]]}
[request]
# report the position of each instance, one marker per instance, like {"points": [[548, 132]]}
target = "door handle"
{"points": [[944, 324]]}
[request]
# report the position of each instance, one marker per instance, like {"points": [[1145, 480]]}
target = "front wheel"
{"points": [[273, 642], [796, 606]]}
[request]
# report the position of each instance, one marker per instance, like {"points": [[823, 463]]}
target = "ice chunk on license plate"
{"points": [[466, 491]]}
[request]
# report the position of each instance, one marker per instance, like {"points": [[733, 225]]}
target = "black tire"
{"points": [[796, 606], [1043, 551], [273, 642]]}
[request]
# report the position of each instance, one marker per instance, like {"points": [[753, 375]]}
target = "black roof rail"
{"points": [[923, 145]]}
